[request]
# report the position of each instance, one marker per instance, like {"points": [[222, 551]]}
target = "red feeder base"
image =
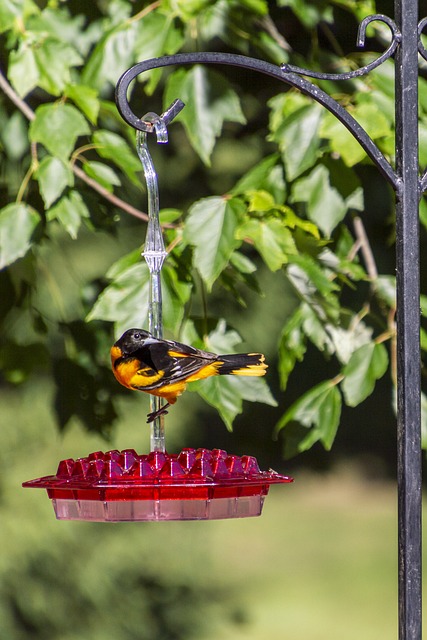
{"points": [[122, 486]]}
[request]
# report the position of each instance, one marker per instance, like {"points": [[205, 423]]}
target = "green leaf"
{"points": [[344, 143], [242, 263], [102, 173], [423, 420], [18, 222], [113, 147], [221, 339], [347, 341], [57, 22], [271, 238], [365, 367], [43, 62], [220, 394], [306, 273], [210, 227], [325, 206], [10, 10], [295, 222], [315, 327], [319, 411], [267, 175], [86, 98], [69, 212], [226, 393], [260, 201], [111, 56], [156, 36], [53, 176], [125, 301], [57, 127], [209, 101], [253, 389], [23, 71], [299, 140], [169, 215], [423, 305], [292, 347]]}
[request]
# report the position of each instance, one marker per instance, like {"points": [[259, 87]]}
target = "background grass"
{"points": [[320, 564]]}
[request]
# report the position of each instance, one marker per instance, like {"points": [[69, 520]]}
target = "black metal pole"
{"points": [[408, 323]]}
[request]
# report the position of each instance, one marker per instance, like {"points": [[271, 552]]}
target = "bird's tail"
{"points": [[242, 364]]}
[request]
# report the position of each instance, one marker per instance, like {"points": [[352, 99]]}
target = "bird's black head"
{"points": [[132, 339]]}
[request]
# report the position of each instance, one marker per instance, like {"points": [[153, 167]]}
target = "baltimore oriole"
{"points": [[164, 367]]}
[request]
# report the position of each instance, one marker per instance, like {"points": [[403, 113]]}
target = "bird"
{"points": [[164, 367]]}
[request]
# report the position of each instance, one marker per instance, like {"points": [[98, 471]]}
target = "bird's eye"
{"points": [[137, 336]]}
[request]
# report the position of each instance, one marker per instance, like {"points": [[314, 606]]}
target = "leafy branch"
{"points": [[26, 110]]}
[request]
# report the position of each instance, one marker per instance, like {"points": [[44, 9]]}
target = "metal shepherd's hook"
{"points": [[154, 248]]}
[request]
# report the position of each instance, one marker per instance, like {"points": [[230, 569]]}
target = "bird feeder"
{"points": [[123, 486]]}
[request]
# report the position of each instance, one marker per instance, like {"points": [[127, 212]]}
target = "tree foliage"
{"points": [[296, 206]]}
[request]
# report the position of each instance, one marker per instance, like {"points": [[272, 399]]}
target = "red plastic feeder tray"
{"points": [[122, 486]]}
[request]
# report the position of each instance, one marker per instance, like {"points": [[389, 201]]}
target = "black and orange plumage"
{"points": [[165, 367]]}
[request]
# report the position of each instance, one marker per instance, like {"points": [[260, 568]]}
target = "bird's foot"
{"points": [[156, 414]]}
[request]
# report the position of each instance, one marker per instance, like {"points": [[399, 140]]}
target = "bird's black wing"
{"points": [[176, 361]]}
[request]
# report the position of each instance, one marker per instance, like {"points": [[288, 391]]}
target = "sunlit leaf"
{"points": [[260, 200], [271, 238], [10, 10], [343, 142]]}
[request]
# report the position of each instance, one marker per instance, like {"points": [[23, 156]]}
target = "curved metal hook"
{"points": [[361, 35], [305, 86], [148, 123], [421, 48]]}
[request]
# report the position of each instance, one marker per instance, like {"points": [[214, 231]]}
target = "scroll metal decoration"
{"points": [[408, 185]]}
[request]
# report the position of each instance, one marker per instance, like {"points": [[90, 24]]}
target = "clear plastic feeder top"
{"points": [[120, 486]]}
